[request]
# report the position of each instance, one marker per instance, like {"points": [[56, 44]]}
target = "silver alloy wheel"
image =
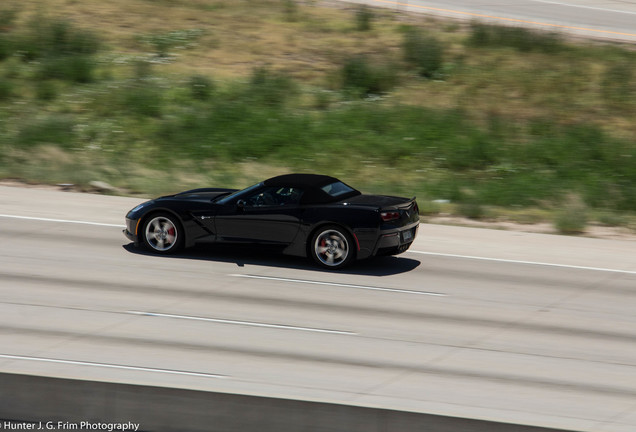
{"points": [[331, 248], [161, 234]]}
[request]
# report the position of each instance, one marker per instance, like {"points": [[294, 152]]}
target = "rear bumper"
{"points": [[396, 240]]}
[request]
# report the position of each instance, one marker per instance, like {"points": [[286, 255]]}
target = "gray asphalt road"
{"points": [[598, 19], [525, 328]]}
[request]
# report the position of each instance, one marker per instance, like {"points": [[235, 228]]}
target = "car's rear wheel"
{"points": [[162, 233], [332, 247]]}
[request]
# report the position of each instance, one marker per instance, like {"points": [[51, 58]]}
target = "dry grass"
{"points": [[240, 35]]}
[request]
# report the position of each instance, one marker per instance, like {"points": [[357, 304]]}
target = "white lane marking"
{"points": [[584, 7], [111, 366], [339, 285], [245, 323], [61, 220], [523, 262]]}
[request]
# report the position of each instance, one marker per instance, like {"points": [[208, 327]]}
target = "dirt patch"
{"points": [[20, 183]]}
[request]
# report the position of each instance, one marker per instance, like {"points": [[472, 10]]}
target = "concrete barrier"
{"points": [[110, 406]]}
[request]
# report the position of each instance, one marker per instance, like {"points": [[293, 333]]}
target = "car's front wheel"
{"points": [[332, 247], [162, 233]]}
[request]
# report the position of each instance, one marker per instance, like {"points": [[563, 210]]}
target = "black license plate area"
{"points": [[407, 236]]}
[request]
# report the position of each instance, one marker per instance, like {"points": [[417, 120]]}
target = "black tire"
{"points": [[332, 247], [162, 233]]}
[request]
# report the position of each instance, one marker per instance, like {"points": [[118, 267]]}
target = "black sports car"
{"points": [[306, 214]]}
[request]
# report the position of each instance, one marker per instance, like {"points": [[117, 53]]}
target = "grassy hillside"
{"points": [[154, 96]]}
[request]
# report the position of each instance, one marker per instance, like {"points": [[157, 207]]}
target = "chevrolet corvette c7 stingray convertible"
{"points": [[308, 215]]}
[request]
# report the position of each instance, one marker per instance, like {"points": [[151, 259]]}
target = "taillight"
{"points": [[389, 216]]}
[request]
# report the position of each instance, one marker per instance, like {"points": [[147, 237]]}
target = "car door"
{"points": [[267, 215]]}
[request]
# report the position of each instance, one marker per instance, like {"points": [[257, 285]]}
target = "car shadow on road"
{"points": [[244, 255]]}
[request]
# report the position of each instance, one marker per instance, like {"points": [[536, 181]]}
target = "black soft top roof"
{"points": [[312, 184], [301, 180]]}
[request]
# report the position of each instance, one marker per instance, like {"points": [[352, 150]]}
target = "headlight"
{"points": [[131, 214]]}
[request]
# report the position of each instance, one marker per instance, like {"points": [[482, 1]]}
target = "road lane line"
{"points": [[585, 7], [495, 17], [111, 366], [311, 282], [523, 262], [245, 323], [61, 220]]}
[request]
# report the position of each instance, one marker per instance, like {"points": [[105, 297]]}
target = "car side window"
{"points": [[288, 195], [274, 196]]}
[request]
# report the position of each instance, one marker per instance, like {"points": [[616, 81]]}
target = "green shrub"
{"points": [[142, 69], [360, 75], [521, 39], [45, 90], [53, 129], [62, 50], [6, 46], [472, 151], [471, 209], [323, 100], [76, 68], [6, 89], [424, 52], [7, 18], [617, 86], [364, 18], [46, 38], [201, 87], [143, 99], [572, 217], [270, 88], [290, 8], [65, 38]]}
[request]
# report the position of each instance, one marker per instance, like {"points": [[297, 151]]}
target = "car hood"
{"points": [[205, 194]]}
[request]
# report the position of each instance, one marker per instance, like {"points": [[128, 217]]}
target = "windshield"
{"points": [[228, 198], [337, 189]]}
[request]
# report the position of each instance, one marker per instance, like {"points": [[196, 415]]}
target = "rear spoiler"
{"points": [[402, 206]]}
